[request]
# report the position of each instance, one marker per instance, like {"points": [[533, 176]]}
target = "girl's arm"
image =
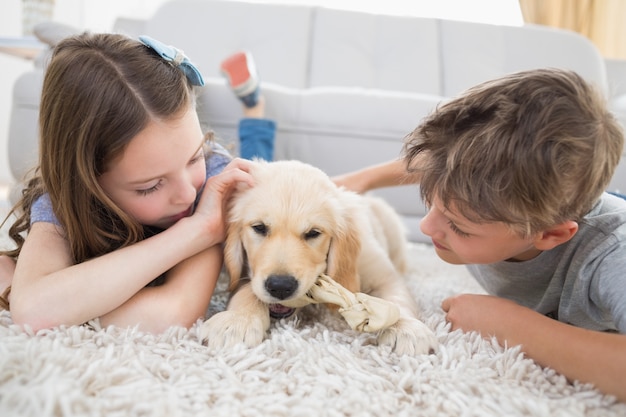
{"points": [[48, 290], [579, 354], [188, 287], [387, 174], [180, 301]]}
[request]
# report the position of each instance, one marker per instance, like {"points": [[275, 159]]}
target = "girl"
{"points": [[125, 212]]}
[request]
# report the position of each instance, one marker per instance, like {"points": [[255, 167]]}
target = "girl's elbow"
{"points": [[186, 315], [29, 316], [187, 319], [175, 320], [30, 311], [173, 315]]}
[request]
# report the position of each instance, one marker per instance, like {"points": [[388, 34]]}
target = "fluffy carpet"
{"points": [[312, 365]]}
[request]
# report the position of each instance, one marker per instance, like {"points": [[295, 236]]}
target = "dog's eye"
{"points": [[312, 234], [260, 229]]}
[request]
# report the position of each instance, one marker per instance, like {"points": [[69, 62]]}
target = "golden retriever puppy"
{"points": [[294, 225]]}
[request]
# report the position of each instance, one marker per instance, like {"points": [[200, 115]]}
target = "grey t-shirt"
{"points": [[581, 282]]}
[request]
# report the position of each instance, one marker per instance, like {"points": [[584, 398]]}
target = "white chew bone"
{"points": [[362, 312]]}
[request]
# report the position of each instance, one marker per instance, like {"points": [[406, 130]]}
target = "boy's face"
{"points": [[460, 241]]}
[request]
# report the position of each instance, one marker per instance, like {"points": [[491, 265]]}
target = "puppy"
{"points": [[294, 225]]}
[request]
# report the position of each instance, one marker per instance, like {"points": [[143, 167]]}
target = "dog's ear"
{"points": [[234, 254], [343, 254]]}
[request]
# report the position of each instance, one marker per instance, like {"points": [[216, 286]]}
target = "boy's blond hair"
{"points": [[532, 149]]}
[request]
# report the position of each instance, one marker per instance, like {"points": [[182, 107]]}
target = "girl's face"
{"points": [[460, 241], [161, 171]]}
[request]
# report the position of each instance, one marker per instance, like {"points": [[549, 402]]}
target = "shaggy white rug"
{"points": [[313, 365]]}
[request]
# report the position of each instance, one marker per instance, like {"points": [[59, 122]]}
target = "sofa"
{"points": [[344, 87]]}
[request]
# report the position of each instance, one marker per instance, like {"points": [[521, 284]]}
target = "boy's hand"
{"points": [[486, 314]]}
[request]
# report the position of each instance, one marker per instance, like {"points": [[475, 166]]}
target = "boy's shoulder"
{"points": [[605, 221], [609, 211]]}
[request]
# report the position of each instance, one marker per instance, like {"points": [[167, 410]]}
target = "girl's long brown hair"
{"points": [[99, 91]]}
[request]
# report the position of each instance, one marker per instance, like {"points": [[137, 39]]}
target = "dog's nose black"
{"points": [[281, 286]]}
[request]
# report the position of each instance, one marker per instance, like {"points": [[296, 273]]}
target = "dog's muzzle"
{"points": [[281, 287]]}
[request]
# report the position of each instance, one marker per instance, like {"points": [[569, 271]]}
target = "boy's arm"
{"points": [[579, 354], [387, 174]]}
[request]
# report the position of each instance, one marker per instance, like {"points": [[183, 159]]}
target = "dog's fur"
{"points": [[294, 225]]}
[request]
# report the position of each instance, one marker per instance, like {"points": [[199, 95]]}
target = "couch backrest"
{"points": [[308, 46], [472, 53], [208, 31], [375, 51]]}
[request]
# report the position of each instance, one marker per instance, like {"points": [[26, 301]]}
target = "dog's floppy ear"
{"points": [[343, 254], [234, 254]]}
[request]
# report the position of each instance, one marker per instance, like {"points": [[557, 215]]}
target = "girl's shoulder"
{"points": [[41, 211], [216, 160]]}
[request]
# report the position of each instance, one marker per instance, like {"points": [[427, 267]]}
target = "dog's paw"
{"points": [[229, 328], [409, 336]]}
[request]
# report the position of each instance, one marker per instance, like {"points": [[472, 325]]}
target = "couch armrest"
{"points": [[23, 137]]}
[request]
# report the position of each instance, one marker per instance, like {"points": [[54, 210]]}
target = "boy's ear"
{"points": [[556, 235]]}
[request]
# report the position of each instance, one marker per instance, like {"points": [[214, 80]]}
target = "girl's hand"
{"points": [[217, 191]]}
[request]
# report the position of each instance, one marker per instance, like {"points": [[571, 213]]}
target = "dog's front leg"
{"points": [[409, 336], [245, 320]]}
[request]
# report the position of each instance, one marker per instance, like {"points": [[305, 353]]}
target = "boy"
{"points": [[514, 173]]}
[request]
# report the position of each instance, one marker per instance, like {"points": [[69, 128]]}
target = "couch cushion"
{"points": [[375, 51], [343, 128], [209, 31], [473, 53]]}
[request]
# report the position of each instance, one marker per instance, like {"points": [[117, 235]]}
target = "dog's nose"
{"points": [[281, 286]]}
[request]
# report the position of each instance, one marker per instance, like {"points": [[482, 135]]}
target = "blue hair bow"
{"points": [[175, 56]]}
